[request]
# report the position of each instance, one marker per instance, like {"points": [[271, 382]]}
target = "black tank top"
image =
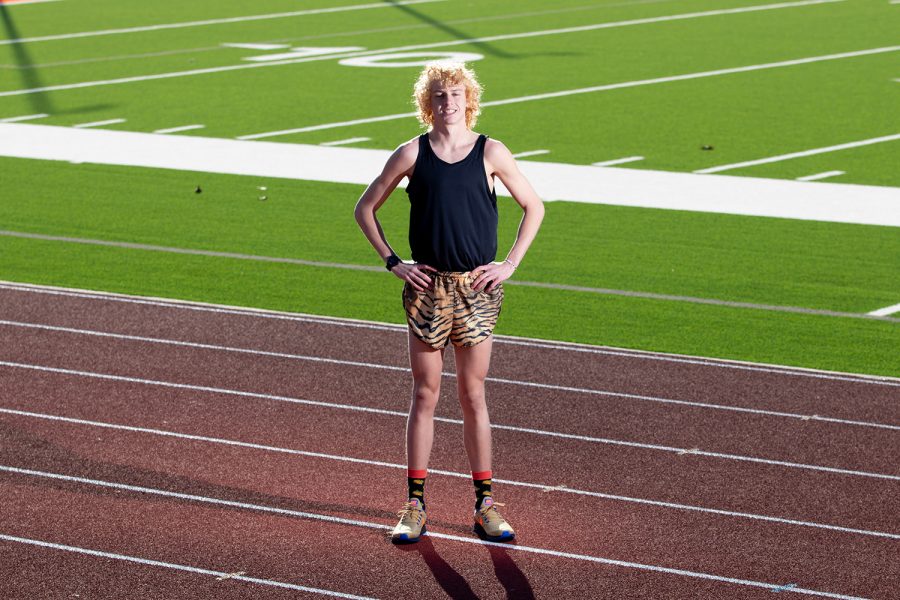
{"points": [[453, 211]]}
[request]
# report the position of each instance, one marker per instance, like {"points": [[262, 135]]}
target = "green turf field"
{"points": [[744, 116]]}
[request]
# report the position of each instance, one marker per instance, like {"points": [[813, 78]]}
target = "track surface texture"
{"points": [[157, 449]]}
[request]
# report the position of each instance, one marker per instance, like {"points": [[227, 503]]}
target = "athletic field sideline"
{"points": [[802, 93]]}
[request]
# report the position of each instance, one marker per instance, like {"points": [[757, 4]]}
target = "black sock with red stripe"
{"points": [[415, 481], [482, 481]]}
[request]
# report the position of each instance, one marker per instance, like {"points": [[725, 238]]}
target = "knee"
{"points": [[425, 396], [472, 397]]}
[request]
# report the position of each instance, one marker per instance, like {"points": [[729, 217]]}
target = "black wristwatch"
{"points": [[392, 261]]}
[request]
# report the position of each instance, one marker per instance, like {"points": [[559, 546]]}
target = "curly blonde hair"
{"points": [[448, 73]]}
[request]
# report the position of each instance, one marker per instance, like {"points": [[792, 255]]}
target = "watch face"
{"points": [[392, 261]]}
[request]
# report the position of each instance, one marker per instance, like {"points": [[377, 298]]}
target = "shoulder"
{"points": [[497, 154], [403, 158]]}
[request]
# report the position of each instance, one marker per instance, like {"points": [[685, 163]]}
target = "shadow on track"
{"points": [[40, 101], [454, 584], [510, 575]]}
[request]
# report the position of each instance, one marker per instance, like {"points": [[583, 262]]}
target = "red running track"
{"points": [[143, 439]]}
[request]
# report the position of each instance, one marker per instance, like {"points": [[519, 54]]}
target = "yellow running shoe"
{"points": [[412, 523], [490, 524]]}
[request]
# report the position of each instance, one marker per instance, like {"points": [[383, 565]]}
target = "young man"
{"points": [[453, 288]]}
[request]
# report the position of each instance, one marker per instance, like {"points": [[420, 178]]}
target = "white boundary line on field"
{"points": [[263, 313], [818, 176], [298, 13], [178, 567], [465, 476], [887, 310], [820, 201], [498, 426], [511, 282], [781, 157], [448, 43], [368, 365]]}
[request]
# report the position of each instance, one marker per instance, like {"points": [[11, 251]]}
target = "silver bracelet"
{"points": [[515, 266]]}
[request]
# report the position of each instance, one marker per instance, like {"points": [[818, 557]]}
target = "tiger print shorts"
{"points": [[452, 311]]}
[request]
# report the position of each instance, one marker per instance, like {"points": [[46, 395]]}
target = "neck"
{"points": [[443, 131]]}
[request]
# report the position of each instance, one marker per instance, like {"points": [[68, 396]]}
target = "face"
{"points": [[448, 102]]}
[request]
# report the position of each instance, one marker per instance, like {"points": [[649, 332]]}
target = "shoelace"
{"points": [[492, 511], [407, 511]]}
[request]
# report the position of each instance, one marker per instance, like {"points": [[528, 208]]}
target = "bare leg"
{"points": [[472, 366], [427, 364]]}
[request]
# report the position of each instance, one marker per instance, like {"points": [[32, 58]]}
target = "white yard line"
{"points": [[888, 310], [298, 13], [402, 414], [818, 201], [444, 44], [179, 129], [590, 90], [178, 567], [814, 151], [24, 118], [258, 46], [368, 365], [530, 153], [617, 161], [98, 123], [818, 176], [345, 142], [261, 313]]}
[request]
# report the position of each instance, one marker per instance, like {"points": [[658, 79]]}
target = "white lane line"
{"points": [[261, 313], [781, 157], [98, 123], [466, 476], [617, 161], [345, 142], [576, 91], [371, 268], [402, 414], [179, 567], [818, 176], [530, 153], [368, 365], [298, 13], [457, 538], [178, 129], [24, 118], [467, 41], [887, 310]]}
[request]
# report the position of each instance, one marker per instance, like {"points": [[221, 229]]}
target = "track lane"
{"points": [[643, 373], [792, 493], [235, 474], [794, 440]]}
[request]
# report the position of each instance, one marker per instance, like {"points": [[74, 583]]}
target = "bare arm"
{"points": [[398, 166], [504, 166]]}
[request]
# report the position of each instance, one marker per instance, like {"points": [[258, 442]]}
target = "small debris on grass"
{"points": [[198, 190], [706, 147], [263, 198], [261, 188]]}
